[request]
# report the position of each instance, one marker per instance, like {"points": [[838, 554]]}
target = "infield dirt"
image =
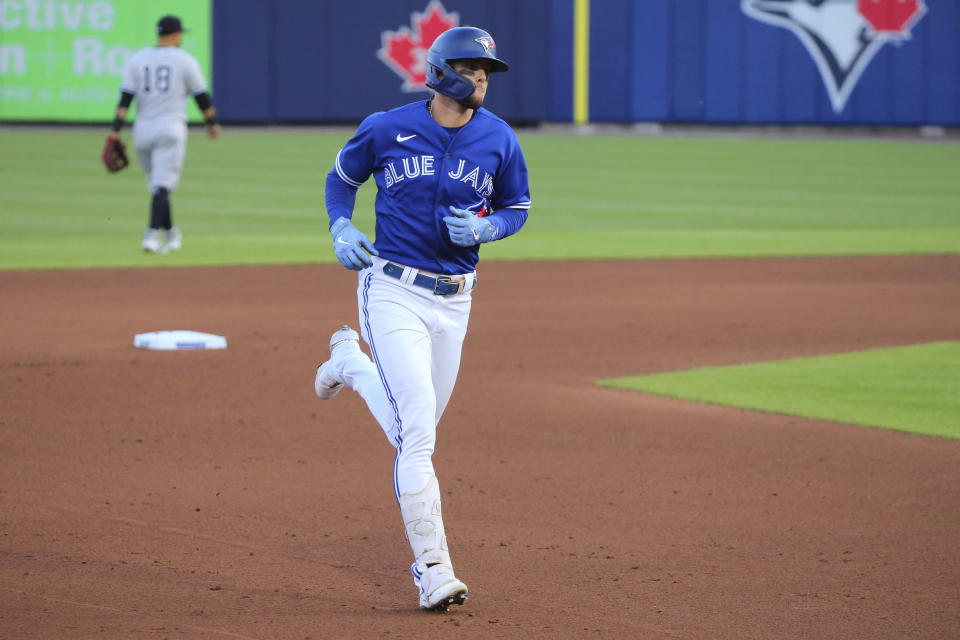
{"points": [[210, 495]]}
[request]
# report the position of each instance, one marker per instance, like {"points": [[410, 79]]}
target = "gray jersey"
{"points": [[162, 79]]}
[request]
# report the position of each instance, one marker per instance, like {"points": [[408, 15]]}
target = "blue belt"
{"points": [[441, 285]]}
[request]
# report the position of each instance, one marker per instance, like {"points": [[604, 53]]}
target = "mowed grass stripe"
{"points": [[593, 197], [719, 244], [913, 388]]}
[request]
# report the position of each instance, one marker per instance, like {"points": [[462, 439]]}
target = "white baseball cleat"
{"points": [[327, 384], [439, 588], [151, 241], [174, 239]]}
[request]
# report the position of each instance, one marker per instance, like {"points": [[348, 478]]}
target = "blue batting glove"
{"points": [[467, 229], [350, 245]]}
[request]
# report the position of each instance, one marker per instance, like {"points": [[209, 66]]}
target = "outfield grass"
{"points": [[256, 196], [914, 388]]}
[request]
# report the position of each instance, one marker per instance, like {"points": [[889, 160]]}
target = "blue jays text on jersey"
{"points": [[421, 169], [415, 166]]}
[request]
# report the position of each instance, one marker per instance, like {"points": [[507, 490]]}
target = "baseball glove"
{"points": [[114, 154]]}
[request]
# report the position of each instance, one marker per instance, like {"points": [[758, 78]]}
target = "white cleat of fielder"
{"points": [[152, 242], [327, 383], [173, 239]]}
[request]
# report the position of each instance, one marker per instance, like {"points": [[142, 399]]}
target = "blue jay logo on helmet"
{"points": [[486, 43], [842, 36]]}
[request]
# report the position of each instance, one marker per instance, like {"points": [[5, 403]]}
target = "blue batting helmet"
{"points": [[457, 44]]}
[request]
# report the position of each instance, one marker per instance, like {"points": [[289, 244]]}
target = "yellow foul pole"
{"points": [[581, 61]]}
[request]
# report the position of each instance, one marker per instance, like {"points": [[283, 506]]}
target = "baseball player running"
{"points": [[161, 78], [450, 176]]}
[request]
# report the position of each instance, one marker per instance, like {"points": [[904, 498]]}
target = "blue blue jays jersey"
{"points": [[421, 169]]}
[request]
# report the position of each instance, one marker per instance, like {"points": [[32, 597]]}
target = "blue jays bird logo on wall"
{"points": [[842, 36]]}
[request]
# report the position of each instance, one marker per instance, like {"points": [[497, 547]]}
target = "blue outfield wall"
{"points": [[693, 61], [316, 61], [709, 61]]}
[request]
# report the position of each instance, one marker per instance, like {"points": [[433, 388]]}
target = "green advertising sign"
{"points": [[62, 60]]}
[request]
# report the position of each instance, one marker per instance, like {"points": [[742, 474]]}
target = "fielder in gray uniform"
{"points": [[161, 78]]}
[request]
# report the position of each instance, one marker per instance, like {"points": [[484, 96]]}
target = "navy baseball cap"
{"points": [[169, 24]]}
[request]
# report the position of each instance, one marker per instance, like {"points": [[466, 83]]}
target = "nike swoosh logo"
{"points": [[401, 138], [476, 234], [341, 240]]}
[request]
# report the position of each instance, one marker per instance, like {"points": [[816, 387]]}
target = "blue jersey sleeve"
{"points": [[512, 197], [340, 197], [507, 221], [512, 185], [357, 159], [353, 165]]}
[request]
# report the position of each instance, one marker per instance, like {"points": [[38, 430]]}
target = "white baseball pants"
{"points": [[161, 146], [415, 338]]}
